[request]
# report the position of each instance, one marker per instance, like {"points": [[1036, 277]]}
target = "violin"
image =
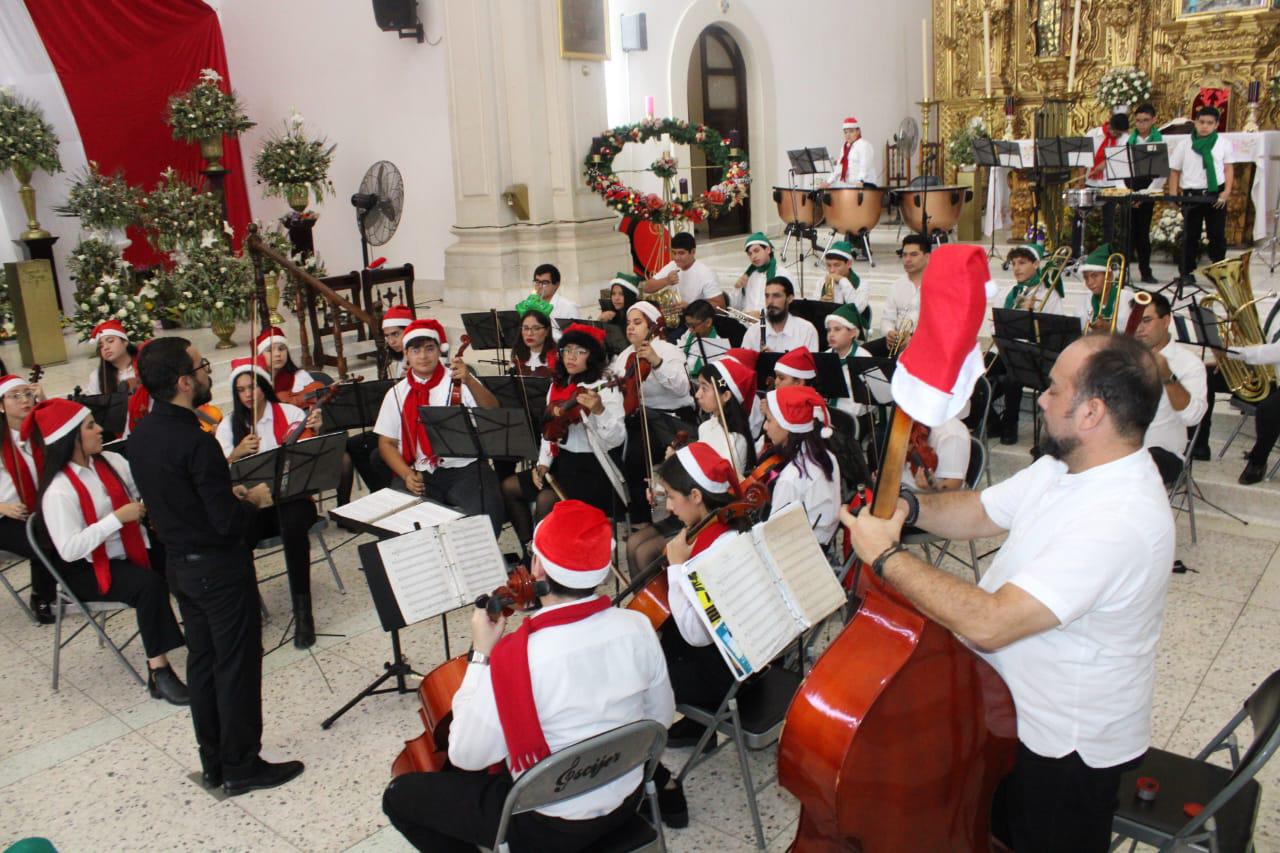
{"points": [[556, 428], [300, 430], [36, 374], [455, 388], [519, 368], [638, 370], [429, 751], [303, 397], [919, 454], [766, 470], [209, 417]]}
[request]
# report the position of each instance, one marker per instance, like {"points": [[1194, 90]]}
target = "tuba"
{"points": [[1240, 326], [668, 302]]}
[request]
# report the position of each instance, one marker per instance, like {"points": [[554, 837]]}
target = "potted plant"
{"points": [[27, 143], [104, 204], [292, 165], [175, 213], [960, 148], [106, 288], [205, 113], [1120, 88], [210, 284]]}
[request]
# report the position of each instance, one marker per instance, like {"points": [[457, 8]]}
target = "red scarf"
{"points": [[279, 425], [707, 536], [19, 472], [1108, 141], [283, 381], [844, 162], [412, 433], [135, 547], [139, 406], [513, 686]]}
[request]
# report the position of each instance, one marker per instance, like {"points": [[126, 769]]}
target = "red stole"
{"points": [[139, 406], [513, 686], [19, 473], [279, 425], [1108, 141], [412, 433], [844, 162], [135, 547], [707, 536], [282, 382]]}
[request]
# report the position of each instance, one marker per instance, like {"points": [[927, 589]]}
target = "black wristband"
{"points": [[913, 507], [877, 565]]}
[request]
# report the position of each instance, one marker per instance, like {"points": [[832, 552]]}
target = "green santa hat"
{"points": [[1035, 249], [847, 315], [839, 249], [757, 239], [627, 282], [771, 268], [1096, 261]]}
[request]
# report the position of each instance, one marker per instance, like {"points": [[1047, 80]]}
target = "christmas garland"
{"points": [[730, 192]]}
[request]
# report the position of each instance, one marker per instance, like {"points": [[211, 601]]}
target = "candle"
{"points": [[684, 186], [1008, 106], [1255, 90], [648, 105], [1075, 43], [986, 48], [924, 56]]}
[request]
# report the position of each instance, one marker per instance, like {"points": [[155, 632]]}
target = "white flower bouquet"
{"points": [[1123, 86]]}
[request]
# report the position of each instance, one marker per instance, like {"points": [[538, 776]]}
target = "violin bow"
{"points": [[724, 423], [253, 363]]}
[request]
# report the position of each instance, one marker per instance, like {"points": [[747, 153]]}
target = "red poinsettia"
{"points": [[653, 200], [715, 197]]}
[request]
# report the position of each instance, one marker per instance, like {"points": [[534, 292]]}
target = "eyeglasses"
{"points": [[203, 365], [543, 282], [19, 396], [574, 351], [533, 328]]}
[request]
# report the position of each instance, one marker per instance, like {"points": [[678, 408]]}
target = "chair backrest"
{"points": [[977, 463], [980, 402], [323, 378], [585, 766], [925, 181], [37, 537]]}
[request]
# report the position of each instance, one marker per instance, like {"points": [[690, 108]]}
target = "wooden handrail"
{"points": [[255, 244]]}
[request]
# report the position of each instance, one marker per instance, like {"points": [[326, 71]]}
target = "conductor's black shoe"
{"points": [[163, 683], [42, 609], [1251, 474], [1201, 452], [211, 778], [267, 775]]}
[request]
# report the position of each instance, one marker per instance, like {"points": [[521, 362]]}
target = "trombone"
{"points": [[1052, 275], [903, 331], [1112, 286]]}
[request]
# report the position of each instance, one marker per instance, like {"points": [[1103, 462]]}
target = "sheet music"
{"points": [[471, 547], [420, 578], [806, 577], [421, 513], [375, 505]]}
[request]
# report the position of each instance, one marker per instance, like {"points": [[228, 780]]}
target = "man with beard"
{"points": [[780, 330], [183, 478], [1070, 612]]}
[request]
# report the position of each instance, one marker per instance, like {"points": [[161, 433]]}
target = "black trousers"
{"points": [[291, 521], [1010, 391], [1169, 464], [363, 450], [474, 489], [13, 538], [1198, 216], [1140, 224], [1057, 805], [145, 590], [1267, 426], [698, 674], [218, 597], [456, 810]]}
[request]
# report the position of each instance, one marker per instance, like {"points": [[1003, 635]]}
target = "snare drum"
{"points": [[798, 205], [944, 206], [1081, 199], [853, 210]]}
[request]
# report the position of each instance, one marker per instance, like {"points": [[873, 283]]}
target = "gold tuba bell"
{"points": [[668, 302], [1240, 326]]}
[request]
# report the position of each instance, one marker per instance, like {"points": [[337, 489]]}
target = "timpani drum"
{"points": [[943, 204], [853, 210], [796, 204], [1081, 198]]}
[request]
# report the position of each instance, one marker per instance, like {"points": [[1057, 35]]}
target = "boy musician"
{"points": [[856, 165], [691, 277], [762, 268], [842, 284], [1094, 316], [1027, 294], [701, 343], [902, 308], [1144, 132], [1184, 397], [1200, 171]]}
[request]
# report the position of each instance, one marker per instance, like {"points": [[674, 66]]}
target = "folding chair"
{"points": [[1246, 410], [1230, 798], [90, 609], [981, 402], [274, 545], [977, 467], [751, 714], [617, 752], [9, 561], [1185, 491]]}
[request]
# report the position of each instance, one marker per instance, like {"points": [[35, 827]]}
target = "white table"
{"points": [[1262, 149]]}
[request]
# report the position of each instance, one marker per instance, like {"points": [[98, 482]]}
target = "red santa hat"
{"points": [[798, 363], [256, 365], [271, 336], [746, 357], [54, 419], [427, 329], [649, 310], [937, 370], [740, 380], [397, 316], [574, 544], [109, 329], [9, 382], [796, 407], [596, 334], [711, 471], [850, 123]]}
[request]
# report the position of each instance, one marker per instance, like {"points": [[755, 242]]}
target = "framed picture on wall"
{"points": [[584, 29], [1189, 8]]}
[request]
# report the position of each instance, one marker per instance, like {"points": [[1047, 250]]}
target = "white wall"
{"points": [[809, 64], [377, 96]]}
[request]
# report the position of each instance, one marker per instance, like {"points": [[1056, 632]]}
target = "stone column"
{"points": [[520, 114]]}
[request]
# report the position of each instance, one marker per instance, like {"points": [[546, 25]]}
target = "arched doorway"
{"points": [[718, 98]]}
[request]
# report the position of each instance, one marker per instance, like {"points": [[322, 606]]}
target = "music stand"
{"points": [[804, 163], [492, 330], [728, 327], [994, 153], [110, 411], [869, 380], [356, 406], [829, 381], [816, 312], [615, 340], [526, 394], [1030, 342], [1055, 157]]}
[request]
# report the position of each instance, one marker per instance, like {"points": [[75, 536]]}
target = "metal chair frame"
{"points": [[273, 545], [11, 561], [977, 467], [1185, 491]]}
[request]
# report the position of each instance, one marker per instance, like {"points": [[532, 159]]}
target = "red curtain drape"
{"points": [[119, 61]]}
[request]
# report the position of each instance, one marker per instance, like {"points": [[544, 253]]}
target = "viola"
{"points": [[571, 412], [429, 751], [455, 388]]}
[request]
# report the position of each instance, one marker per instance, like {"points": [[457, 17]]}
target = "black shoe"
{"points": [[687, 732], [1149, 278], [211, 778], [42, 609], [163, 683], [674, 807], [304, 625], [1251, 474], [1009, 436], [1201, 453], [267, 775]]}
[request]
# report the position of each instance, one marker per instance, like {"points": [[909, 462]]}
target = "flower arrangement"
{"points": [[277, 239], [665, 166], [960, 148], [1123, 86], [209, 284], [205, 111], [175, 212], [8, 328], [102, 202], [291, 163], [730, 192], [106, 289], [1166, 233], [27, 141]]}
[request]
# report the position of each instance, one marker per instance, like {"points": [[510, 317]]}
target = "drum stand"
{"points": [[1272, 243]]}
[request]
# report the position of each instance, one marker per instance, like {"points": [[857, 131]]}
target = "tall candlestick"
{"points": [[1075, 44], [648, 103], [986, 48], [924, 56]]}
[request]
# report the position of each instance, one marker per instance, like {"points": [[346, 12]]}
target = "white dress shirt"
{"points": [[64, 519], [609, 427], [388, 422], [123, 375], [862, 164], [667, 386], [395, 368], [819, 496], [903, 303], [1052, 305], [588, 677], [266, 428], [562, 308], [301, 379], [751, 296], [1095, 548], [796, 332], [951, 442], [710, 432], [1190, 165], [847, 404], [699, 281], [8, 489], [1169, 427]]}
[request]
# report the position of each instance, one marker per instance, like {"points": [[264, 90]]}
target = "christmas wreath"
{"points": [[721, 153]]}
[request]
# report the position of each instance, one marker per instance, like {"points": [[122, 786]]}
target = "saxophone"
{"points": [[829, 288]]}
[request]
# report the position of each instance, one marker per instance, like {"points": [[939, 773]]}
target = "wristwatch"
{"points": [[478, 658], [1172, 380]]}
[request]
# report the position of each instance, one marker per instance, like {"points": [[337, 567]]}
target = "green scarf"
{"points": [[770, 269], [692, 339], [1154, 137], [1096, 298], [1203, 145]]}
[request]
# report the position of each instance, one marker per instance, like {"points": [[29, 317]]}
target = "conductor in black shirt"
{"points": [[202, 520]]}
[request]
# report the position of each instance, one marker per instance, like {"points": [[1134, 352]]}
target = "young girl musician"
{"points": [[624, 291], [534, 352], [115, 371], [287, 377], [259, 422], [809, 473], [90, 509], [18, 478]]}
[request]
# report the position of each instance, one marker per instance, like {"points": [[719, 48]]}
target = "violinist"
{"points": [[534, 351], [402, 439], [18, 479], [394, 321], [286, 377], [624, 291], [91, 511], [950, 445], [260, 422], [780, 330], [664, 388], [1070, 612], [796, 367], [574, 669], [575, 461], [115, 371], [809, 473]]}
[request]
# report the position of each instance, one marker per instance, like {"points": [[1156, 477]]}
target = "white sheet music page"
{"points": [[420, 513], [807, 578], [748, 598], [473, 550], [419, 575], [375, 505]]}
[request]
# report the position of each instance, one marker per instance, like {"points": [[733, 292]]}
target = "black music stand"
{"points": [[869, 379], [615, 340], [829, 381], [526, 394], [1128, 163], [492, 330], [476, 433], [110, 411], [816, 312], [356, 407], [1055, 157], [994, 153], [1030, 342], [728, 327]]}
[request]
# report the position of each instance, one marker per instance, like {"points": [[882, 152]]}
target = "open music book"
{"points": [[438, 569], [760, 590], [395, 511]]}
